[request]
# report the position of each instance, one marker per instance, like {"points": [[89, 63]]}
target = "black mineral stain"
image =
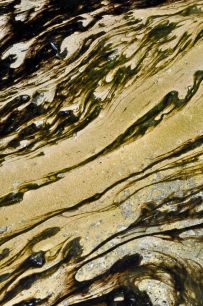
{"points": [[121, 296], [32, 302], [18, 120], [127, 262], [72, 251], [161, 31], [11, 198], [36, 260], [123, 266], [23, 284], [5, 253], [4, 277]]}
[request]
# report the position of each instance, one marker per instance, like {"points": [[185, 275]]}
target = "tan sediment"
{"points": [[100, 197]]}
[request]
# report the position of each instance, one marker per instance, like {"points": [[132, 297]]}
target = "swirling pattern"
{"points": [[101, 152]]}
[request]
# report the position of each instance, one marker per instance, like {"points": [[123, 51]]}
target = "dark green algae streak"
{"points": [[184, 276]]}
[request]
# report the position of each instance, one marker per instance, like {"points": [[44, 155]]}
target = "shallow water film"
{"points": [[101, 152]]}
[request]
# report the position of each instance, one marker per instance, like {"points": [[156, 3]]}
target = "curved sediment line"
{"points": [[101, 153]]}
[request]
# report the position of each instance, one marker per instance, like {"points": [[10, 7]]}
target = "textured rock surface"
{"points": [[101, 152]]}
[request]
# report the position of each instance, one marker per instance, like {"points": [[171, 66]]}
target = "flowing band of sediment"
{"points": [[101, 153]]}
